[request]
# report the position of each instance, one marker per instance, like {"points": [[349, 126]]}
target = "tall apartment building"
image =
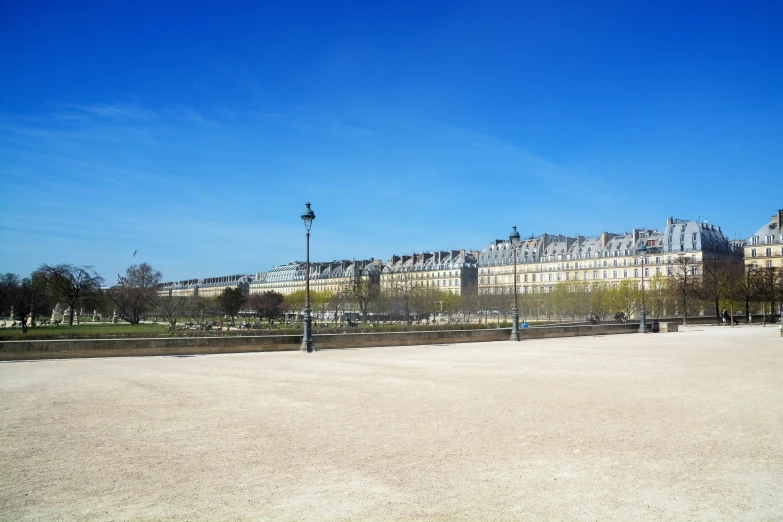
{"points": [[764, 249], [453, 271], [544, 261], [332, 276], [206, 287]]}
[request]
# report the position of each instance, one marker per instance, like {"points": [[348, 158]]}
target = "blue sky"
{"points": [[195, 132]]}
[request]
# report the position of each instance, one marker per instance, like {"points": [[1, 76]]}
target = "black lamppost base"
{"points": [[307, 340], [515, 326], [643, 321]]}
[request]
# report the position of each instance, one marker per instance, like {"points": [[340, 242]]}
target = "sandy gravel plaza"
{"points": [[670, 426]]}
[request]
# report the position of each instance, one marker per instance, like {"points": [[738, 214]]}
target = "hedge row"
{"points": [[17, 335]]}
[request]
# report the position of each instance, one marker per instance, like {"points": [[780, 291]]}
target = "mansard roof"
{"points": [[774, 228], [427, 261], [558, 248]]}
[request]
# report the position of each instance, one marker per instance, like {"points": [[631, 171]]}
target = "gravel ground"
{"points": [[680, 426]]}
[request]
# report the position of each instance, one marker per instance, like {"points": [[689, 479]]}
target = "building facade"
{"points": [[764, 249], [544, 261], [453, 271], [329, 277], [206, 287]]}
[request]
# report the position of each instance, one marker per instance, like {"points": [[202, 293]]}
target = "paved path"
{"points": [[681, 426]]}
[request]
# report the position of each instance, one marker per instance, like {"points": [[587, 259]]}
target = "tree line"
{"points": [[740, 289]]}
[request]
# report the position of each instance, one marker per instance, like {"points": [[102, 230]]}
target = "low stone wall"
{"points": [[543, 332], [75, 348]]}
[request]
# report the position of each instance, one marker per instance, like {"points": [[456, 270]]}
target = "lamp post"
{"points": [[514, 240], [307, 341], [641, 249]]}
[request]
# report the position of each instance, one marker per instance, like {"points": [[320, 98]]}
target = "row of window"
{"points": [[616, 274], [576, 265], [767, 239], [767, 252]]}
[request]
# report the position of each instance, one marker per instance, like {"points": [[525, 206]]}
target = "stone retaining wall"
{"points": [[75, 348]]}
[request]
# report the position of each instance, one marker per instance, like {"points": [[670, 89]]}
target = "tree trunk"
{"points": [[717, 309], [70, 315]]}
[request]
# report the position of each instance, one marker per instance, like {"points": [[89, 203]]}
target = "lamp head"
{"points": [[308, 216], [641, 249]]}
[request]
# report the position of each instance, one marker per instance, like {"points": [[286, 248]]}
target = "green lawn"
{"points": [[85, 330]]}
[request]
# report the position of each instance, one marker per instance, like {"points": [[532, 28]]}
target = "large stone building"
{"points": [[206, 287], [546, 260], [332, 277], [764, 249], [453, 271]]}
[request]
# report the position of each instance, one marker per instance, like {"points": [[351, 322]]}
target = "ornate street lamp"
{"points": [[307, 341], [642, 250], [514, 240]]}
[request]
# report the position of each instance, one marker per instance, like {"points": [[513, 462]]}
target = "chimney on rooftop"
{"points": [[605, 237]]}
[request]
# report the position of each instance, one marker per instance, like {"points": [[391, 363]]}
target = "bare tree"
{"points": [[749, 287], [171, 308], [401, 291], [770, 288], [19, 296], [198, 307], [683, 282], [363, 291], [732, 292], [712, 287], [427, 301], [136, 292], [72, 283]]}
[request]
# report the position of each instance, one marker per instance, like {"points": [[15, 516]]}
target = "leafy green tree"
{"points": [[266, 305], [294, 302], [569, 299], [451, 304], [627, 297], [231, 301], [319, 301], [657, 298]]}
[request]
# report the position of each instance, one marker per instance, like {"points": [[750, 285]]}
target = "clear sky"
{"points": [[194, 132]]}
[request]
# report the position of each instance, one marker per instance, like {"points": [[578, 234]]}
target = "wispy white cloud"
{"points": [[111, 112]]}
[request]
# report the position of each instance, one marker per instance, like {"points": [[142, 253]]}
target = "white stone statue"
{"points": [[57, 314]]}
